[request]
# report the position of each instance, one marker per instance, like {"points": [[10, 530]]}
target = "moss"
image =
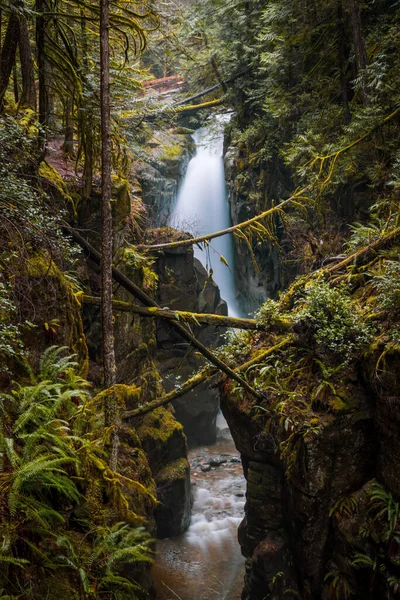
{"points": [[128, 396], [159, 425], [51, 175], [171, 153], [41, 265], [121, 197], [173, 472]]}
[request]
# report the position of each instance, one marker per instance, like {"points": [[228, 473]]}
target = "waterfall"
{"points": [[202, 207]]}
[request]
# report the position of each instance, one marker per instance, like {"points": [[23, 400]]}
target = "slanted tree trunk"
{"points": [[8, 53], [111, 409], [15, 84], [28, 95]]}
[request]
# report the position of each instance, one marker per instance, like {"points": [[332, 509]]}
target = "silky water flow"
{"points": [[205, 563], [202, 207]]}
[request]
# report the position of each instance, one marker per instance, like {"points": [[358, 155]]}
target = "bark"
{"points": [[343, 64], [41, 60], [28, 96], [68, 145], [8, 53], [132, 288], [111, 407], [15, 84], [205, 374], [359, 43]]}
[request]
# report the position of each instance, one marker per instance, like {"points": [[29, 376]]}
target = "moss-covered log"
{"points": [[179, 315], [240, 227], [203, 375]]}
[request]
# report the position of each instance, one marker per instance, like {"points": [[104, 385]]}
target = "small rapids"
{"points": [[205, 563]]}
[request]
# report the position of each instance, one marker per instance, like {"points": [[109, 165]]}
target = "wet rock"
{"points": [[205, 468], [288, 527], [217, 461]]}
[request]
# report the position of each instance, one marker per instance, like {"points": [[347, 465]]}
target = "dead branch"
{"points": [[356, 259]]}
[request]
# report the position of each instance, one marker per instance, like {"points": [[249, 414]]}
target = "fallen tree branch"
{"points": [[177, 392], [192, 108], [239, 227], [178, 315], [356, 258], [206, 373], [133, 289], [211, 89]]}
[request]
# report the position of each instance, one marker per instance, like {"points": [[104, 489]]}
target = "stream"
{"points": [[205, 563]]}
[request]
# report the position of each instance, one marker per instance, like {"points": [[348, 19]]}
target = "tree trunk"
{"points": [[15, 84], [8, 53], [28, 96], [111, 409], [343, 64], [359, 44], [68, 145], [41, 60]]}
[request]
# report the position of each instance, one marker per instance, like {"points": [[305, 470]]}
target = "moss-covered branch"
{"points": [[138, 293], [357, 259], [179, 315], [206, 373], [234, 229]]}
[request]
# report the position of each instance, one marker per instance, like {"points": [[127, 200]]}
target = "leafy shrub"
{"points": [[334, 322]]}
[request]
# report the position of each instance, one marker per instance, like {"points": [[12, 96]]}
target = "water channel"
{"points": [[205, 563]]}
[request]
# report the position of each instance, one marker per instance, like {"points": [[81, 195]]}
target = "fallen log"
{"points": [[178, 315]]}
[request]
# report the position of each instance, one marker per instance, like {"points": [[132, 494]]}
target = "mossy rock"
{"points": [[172, 472]]}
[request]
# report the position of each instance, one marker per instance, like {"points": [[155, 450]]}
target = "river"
{"points": [[205, 563]]}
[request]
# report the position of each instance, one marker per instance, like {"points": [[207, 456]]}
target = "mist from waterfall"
{"points": [[202, 207]]}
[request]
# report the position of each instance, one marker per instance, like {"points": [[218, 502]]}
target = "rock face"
{"points": [[164, 442], [161, 175], [319, 497], [254, 285], [185, 285]]}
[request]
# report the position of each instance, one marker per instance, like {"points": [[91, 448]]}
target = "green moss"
{"points": [[42, 265], [121, 197], [51, 174], [159, 425], [173, 472], [128, 396], [171, 153]]}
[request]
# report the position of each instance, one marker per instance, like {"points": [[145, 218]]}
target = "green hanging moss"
{"points": [[51, 174], [41, 265]]}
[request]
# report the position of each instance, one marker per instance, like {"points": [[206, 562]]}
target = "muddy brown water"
{"points": [[205, 563]]}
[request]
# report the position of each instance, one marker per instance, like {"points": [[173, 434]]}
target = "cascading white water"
{"points": [[202, 207]]}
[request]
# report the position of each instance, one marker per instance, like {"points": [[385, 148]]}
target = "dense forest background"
{"points": [[314, 175]]}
